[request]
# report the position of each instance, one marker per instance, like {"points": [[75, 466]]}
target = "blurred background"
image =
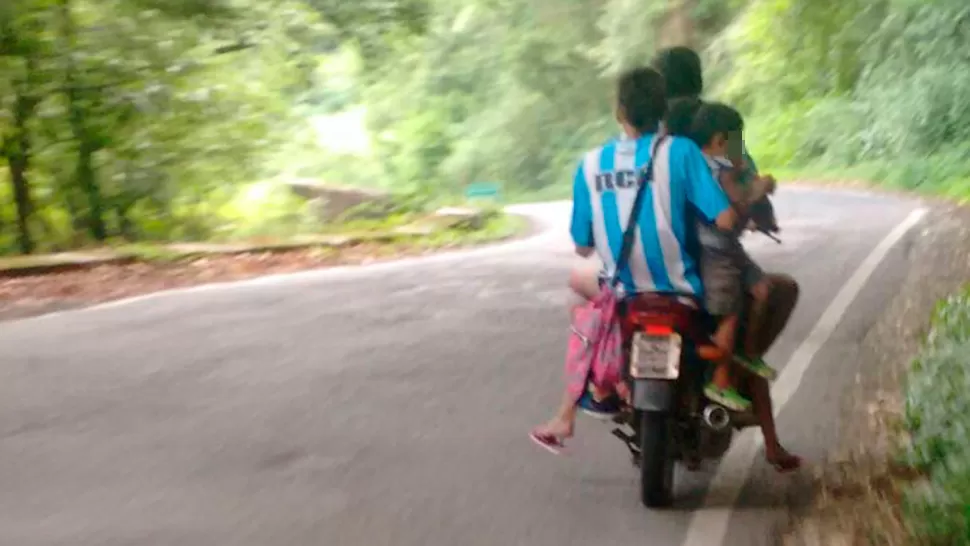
{"points": [[153, 144], [190, 120]]}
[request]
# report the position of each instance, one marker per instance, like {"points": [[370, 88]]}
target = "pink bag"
{"points": [[595, 350]]}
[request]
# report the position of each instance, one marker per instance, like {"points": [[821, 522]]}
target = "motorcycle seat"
{"points": [[677, 312]]}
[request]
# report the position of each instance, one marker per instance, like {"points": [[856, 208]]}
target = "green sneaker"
{"points": [[757, 366], [729, 397]]}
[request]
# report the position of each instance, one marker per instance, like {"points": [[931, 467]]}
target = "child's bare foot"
{"points": [[781, 459]]}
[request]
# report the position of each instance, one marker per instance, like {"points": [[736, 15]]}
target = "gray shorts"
{"points": [[727, 275]]}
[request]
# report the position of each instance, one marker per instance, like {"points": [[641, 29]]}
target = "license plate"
{"points": [[655, 357]]}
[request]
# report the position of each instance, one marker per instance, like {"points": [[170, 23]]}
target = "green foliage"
{"points": [[879, 91], [262, 209], [938, 417], [884, 85], [374, 26], [149, 119], [505, 90], [142, 115]]}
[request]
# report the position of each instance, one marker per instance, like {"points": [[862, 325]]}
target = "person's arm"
{"points": [[762, 213], [750, 166], [743, 196], [581, 226], [702, 191], [737, 194]]}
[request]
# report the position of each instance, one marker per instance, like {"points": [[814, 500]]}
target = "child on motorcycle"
{"points": [[726, 269]]}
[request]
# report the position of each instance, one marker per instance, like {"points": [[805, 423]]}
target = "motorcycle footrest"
{"points": [[624, 417], [629, 440], [625, 436]]}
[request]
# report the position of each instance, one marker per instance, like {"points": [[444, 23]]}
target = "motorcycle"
{"points": [[667, 340]]}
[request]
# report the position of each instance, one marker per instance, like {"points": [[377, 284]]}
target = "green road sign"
{"points": [[483, 190]]}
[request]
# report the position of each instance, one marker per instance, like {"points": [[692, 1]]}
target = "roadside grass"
{"points": [[916, 491], [405, 232], [937, 424], [918, 494]]}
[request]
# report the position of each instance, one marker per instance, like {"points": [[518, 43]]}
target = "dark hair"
{"points": [[680, 115], [681, 68], [714, 118], [641, 99]]}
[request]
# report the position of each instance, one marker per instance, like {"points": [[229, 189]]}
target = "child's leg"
{"points": [[722, 389], [723, 298], [758, 286], [557, 430], [584, 282], [724, 338], [562, 424], [757, 313]]}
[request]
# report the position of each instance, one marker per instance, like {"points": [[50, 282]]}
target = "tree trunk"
{"points": [[123, 204], [21, 195], [85, 175], [126, 227], [74, 203], [17, 151]]}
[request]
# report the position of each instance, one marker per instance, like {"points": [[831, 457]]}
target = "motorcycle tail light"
{"points": [[657, 330]]}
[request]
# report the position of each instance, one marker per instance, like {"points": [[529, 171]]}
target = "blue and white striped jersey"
{"points": [[681, 189]]}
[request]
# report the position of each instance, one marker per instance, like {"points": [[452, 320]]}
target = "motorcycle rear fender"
{"points": [[653, 394]]}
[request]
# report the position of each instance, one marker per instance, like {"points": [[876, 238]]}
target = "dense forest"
{"points": [[170, 119]]}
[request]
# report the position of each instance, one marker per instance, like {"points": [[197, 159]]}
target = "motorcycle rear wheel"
{"points": [[656, 459]]}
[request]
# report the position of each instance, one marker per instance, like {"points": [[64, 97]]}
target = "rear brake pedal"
{"points": [[625, 436], [630, 441]]}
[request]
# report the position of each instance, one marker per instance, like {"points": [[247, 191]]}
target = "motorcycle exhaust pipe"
{"points": [[716, 417]]}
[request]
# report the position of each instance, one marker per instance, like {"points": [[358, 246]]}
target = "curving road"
{"points": [[389, 405]]}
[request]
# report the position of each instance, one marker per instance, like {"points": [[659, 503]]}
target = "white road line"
{"points": [[709, 524]]}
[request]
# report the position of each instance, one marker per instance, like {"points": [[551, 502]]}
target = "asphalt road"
{"points": [[386, 405]]}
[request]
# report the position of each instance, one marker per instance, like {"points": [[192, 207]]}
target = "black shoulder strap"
{"points": [[646, 175]]}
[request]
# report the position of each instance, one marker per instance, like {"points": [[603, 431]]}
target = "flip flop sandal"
{"points": [[549, 442], [729, 398], [757, 366]]}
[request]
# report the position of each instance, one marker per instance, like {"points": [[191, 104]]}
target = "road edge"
{"points": [[711, 520], [535, 229], [864, 458]]}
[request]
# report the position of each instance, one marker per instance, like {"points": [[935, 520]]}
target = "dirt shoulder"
{"points": [[43, 284], [858, 492]]}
